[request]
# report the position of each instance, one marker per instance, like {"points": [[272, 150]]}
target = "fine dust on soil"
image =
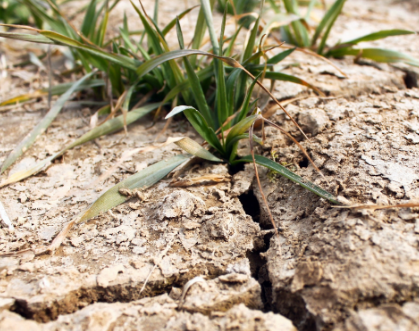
{"points": [[338, 269]]}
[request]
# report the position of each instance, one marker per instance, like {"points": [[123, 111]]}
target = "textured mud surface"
{"points": [[332, 261], [330, 269]]}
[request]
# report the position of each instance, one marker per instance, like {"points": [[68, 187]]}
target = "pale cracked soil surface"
{"points": [[330, 269]]}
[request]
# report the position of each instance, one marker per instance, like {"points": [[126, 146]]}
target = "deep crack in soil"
{"points": [[289, 305], [255, 256]]}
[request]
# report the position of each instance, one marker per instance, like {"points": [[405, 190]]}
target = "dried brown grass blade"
{"points": [[375, 207], [276, 101], [115, 109], [272, 110], [309, 52], [296, 142], [252, 152]]}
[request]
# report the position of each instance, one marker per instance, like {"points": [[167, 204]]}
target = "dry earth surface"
{"points": [[129, 269]]}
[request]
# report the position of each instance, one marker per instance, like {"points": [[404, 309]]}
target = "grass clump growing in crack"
{"points": [[212, 89], [120, 62]]}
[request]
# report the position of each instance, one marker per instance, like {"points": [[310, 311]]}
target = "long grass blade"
{"points": [[143, 179], [148, 66], [207, 9], [27, 142], [281, 56], [250, 45], [245, 108], [300, 31], [112, 198], [34, 38], [172, 23], [265, 162], [326, 24], [119, 59], [376, 54], [55, 90], [378, 35], [219, 71], [273, 75], [195, 84], [199, 33], [100, 34], [89, 20], [61, 39], [110, 126]]}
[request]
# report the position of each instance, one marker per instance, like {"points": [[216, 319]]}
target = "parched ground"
{"points": [[130, 269]]}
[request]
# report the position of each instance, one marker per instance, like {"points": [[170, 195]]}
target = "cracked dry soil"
{"points": [[330, 269]]}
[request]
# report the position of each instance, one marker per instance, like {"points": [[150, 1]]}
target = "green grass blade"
{"points": [[33, 38], [179, 35], [121, 60], [245, 108], [273, 75], [143, 179], [300, 31], [125, 37], [108, 127], [202, 75], [235, 143], [27, 142], [376, 54], [199, 33], [89, 21], [55, 90], [173, 73], [247, 54], [231, 85], [207, 10], [148, 66], [221, 90], [265, 162], [155, 38], [327, 23], [279, 57], [239, 129], [42, 16], [152, 36], [231, 45], [222, 33], [378, 35], [329, 28], [192, 147], [251, 42], [113, 125], [194, 83], [199, 124], [221, 94], [100, 34], [172, 23], [156, 11]]}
